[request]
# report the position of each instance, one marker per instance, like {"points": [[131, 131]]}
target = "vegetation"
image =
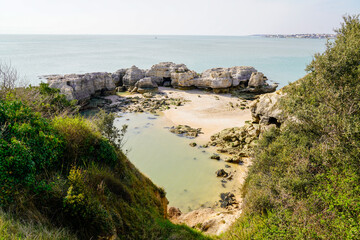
{"points": [[305, 179], [65, 177]]}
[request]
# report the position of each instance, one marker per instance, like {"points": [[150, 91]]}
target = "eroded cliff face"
{"points": [[82, 87]]}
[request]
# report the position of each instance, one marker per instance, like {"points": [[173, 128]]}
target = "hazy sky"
{"points": [[181, 17]]}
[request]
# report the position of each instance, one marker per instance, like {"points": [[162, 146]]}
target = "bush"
{"points": [[84, 143], [28, 146], [304, 181]]}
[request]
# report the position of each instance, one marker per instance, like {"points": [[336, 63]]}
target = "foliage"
{"points": [[28, 146], [65, 175], [304, 181], [105, 123], [84, 143]]}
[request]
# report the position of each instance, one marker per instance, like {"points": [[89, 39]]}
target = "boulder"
{"points": [[234, 159], [257, 80], [118, 76], [241, 75], [185, 130], [183, 79], [227, 199], [162, 72], [146, 83], [133, 75], [221, 173], [214, 78], [258, 84], [215, 156], [266, 109]]}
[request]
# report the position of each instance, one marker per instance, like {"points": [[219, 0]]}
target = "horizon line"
{"points": [[155, 35]]}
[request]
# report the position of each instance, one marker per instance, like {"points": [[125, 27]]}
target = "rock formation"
{"points": [[84, 86], [265, 110]]}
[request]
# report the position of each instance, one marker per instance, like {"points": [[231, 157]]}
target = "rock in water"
{"points": [[227, 199], [186, 131], [215, 156], [221, 173], [193, 144]]}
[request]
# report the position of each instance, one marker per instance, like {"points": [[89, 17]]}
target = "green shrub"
{"points": [[28, 146], [304, 180], [84, 143]]}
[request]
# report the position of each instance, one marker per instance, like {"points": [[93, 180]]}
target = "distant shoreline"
{"points": [[305, 35]]}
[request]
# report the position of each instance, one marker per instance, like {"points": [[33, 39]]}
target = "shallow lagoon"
{"points": [[187, 173]]}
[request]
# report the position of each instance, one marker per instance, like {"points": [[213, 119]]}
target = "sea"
{"points": [[186, 173], [281, 60]]}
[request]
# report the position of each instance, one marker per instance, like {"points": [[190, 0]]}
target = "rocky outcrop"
{"points": [[186, 131], [183, 79], [132, 75], [239, 142], [214, 78], [257, 84], [84, 86], [241, 75], [145, 85], [265, 110]]}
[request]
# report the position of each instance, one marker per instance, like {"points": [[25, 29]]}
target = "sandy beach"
{"points": [[209, 111]]}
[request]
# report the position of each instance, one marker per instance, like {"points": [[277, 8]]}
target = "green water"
{"points": [[187, 173]]}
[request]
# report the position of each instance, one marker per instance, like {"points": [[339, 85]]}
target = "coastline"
{"points": [[212, 113], [209, 111]]}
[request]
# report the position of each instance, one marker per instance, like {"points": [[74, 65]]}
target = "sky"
{"points": [[167, 17]]}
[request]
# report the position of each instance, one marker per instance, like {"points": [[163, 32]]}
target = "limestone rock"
{"points": [[83, 85], [257, 80], [266, 109], [183, 79], [118, 76], [214, 78], [185, 130], [258, 84], [162, 72], [241, 75], [133, 75], [146, 83]]}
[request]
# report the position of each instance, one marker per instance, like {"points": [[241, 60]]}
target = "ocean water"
{"points": [[281, 60], [186, 173]]}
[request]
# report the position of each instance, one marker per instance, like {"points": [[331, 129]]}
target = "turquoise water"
{"points": [[187, 173], [282, 60]]}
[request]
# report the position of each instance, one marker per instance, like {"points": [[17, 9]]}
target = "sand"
{"points": [[209, 111]]}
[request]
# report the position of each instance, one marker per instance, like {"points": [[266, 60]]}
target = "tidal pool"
{"points": [[187, 173]]}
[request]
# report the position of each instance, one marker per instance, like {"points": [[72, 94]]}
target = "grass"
{"points": [[12, 228]]}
